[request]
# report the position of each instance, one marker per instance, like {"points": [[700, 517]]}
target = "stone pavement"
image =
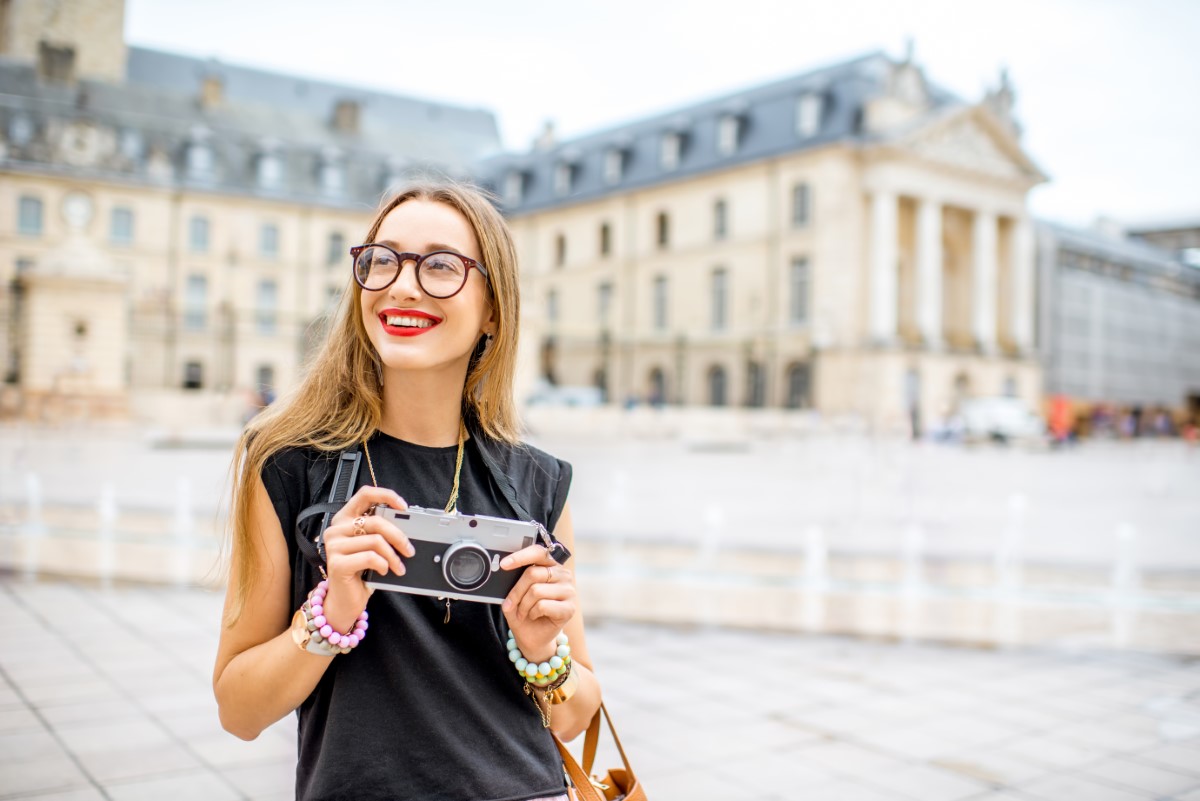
{"points": [[105, 694]]}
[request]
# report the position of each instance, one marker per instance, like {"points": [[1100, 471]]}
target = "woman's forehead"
{"points": [[417, 224]]}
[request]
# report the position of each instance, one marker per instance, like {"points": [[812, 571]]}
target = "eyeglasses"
{"points": [[441, 274]]}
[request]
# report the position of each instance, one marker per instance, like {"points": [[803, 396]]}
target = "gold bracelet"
{"points": [[564, 691]]}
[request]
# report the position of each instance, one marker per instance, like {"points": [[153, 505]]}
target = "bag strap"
{"points": [[581, 776], [344, 477]]}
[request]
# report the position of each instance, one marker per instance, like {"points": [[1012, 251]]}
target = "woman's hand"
{"points": [[357, 541], [541, 603]]}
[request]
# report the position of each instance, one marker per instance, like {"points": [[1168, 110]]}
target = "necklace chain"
{"points": [[451, 504]]}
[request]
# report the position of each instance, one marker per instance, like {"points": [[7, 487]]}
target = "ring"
{"points": [[360, 525]]}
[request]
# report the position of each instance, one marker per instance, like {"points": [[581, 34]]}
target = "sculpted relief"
{"points": [[965, 143]]}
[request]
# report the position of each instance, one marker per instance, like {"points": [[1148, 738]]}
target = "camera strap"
{"points": [[344, 477]]}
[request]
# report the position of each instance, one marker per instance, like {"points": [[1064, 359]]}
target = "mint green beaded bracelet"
{"points": [[540, 673]]}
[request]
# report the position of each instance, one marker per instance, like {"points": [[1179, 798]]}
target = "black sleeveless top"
{"points": [[421, 710]]}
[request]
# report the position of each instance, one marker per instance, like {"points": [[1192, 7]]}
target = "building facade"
{"points": [[170, 223], [1121, 323], [853, 240]]}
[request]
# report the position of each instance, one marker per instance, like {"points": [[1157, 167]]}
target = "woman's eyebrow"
{"points": [[429, 247]]}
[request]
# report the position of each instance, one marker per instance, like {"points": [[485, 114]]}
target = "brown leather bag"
{"points": [[619, 784]]}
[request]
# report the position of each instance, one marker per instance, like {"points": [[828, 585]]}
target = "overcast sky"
{"points": [[1108, 91]]}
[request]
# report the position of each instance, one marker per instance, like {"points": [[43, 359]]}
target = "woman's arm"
{"points": [[544, 601], [260, 674]]}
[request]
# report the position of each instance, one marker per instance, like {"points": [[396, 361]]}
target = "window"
{"points": [[662, 229], [195, 303], [716, 385], [660, 303], [614, 165], [720, 220], [552, 305], [265, 379], [808, 115], [728, 130], [605, 239], [193, 375], [198, 234], [120, 230], [799, 387], [267, 307], [720, 291], [1010, 387], [337, 248], [514, 187], [200, 162], [603, 302], [798, 292], [270, 170], [657, 395], [671, 150], [29, 216], [332, 175], [560, 250], [564, 178], [800, 203], [268, 241]]}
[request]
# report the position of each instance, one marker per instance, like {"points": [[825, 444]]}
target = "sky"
{"points": [[1108, 91]]}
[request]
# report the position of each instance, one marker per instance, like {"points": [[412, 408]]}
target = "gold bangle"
{"points": [[563, 692]]}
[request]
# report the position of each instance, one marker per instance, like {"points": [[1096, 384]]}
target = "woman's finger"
{"points": [[345, 546], [557, 612], [355, 563], [533, 555], [364, 500], [543, 592], [367, 525]]}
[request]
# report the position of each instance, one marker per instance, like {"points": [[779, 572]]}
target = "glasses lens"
{"points": [[442, 274], [375, 267]]}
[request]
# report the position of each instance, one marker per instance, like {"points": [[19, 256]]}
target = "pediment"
{"points": [[973, 141]]}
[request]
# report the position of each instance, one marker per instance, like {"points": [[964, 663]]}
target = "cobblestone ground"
{"points": [[105, 694]]}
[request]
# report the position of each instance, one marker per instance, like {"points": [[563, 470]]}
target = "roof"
{"points": [[1132, 252], [157, 113], [767, 127]]}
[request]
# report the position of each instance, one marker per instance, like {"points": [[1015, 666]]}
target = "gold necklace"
{"points": [[451, 505]]}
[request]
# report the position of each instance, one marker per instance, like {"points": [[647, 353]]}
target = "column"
{"points": [[882, 327], [983, 282], [1023, 294], [929, 273]]}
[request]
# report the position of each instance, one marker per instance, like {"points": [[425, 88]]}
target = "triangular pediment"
{"points": [[973, 139]]}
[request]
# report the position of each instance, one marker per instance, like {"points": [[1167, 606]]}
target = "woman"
{"points": [[417, 374]]}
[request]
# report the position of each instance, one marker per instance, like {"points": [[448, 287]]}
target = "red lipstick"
{"points": [[424, 322]]}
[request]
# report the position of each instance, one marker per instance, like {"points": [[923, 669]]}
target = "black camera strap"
{"points": [[344, 477]]}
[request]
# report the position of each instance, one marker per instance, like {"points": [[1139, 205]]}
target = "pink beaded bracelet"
{"points": [[321, 629]]}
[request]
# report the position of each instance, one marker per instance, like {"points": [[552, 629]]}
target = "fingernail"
{"points": [[505, 562], [506, 605]]}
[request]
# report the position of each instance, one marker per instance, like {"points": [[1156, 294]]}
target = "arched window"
{"points": [[799, 386], [658, 387], [756, 395], [716, 385]]}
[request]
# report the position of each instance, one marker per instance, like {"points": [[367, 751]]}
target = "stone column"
{"points": [[1023, 293], [929, 273], [883, 280], [983, 281]]}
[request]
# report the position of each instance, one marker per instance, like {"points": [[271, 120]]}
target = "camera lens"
{"points": [[466, 566]]}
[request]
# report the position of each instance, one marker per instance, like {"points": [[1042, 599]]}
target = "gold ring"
{"points": [[360, 525]]}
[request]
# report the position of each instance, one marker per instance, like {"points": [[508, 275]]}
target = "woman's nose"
{"points": [[406, 284]]}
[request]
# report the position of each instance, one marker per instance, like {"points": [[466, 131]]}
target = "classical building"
{"points": [[1181, 237], [1120, 322], [854, 239], [173, 223]]}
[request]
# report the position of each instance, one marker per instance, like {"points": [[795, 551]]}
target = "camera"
{"points": [[456, 555]]}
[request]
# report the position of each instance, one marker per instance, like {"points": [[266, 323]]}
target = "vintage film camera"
{"points": [[457, 555]]}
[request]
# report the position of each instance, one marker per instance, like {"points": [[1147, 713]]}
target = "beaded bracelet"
{"points": [[322, 631], [541, 673]]}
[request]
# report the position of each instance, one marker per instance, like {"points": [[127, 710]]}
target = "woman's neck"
{"points": [[424, 408]]}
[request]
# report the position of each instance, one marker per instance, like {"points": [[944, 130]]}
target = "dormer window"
{"points": [[514, 187], [331, 175], [729, 130], [614, 165], [199, 156], [808, 114], [670, 151], [564, 178], [269, 168]]}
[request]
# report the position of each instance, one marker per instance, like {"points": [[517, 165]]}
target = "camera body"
{"points": [[457, 555]]}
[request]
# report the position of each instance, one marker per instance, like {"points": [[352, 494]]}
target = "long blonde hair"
{"points": [[339, 400]]}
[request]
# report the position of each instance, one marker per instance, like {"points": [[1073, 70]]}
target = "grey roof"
{"points": [[1145, 258], [157, 111], [767, 115]]}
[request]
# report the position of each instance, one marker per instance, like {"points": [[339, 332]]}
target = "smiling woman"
{"points": [[417, 372]]}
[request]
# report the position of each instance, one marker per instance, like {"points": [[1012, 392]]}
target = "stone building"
{"points": [[853, 239], [1120, 322], [170, 223]]}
